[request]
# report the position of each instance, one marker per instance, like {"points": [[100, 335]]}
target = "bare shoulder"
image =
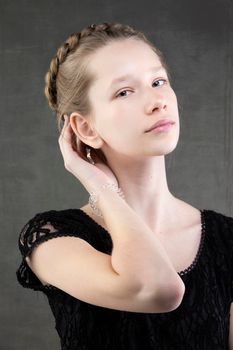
{"points": [[188, 214]]}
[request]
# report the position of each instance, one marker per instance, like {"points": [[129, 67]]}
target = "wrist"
{"points": [[94, 196]]}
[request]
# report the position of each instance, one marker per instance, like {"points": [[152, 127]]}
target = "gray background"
{"points": [[197, 40]]}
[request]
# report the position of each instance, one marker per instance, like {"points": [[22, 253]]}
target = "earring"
{"points": [[88, 150]]}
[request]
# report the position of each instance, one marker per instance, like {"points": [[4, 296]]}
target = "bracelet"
{"points": [[94, 197]]}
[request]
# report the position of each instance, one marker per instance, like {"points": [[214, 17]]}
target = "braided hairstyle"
{"points": [[67, 80]]}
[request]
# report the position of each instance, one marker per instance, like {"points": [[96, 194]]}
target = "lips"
{"points": [[160, 123]]}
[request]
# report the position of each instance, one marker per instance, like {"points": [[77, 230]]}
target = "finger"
{"points": [[66, 138], [63, 139], [66, 122], [64, 133]]}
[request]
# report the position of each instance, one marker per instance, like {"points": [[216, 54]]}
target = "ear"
{"points": [[84, 130]]}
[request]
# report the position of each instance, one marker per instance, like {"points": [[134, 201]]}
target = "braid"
{"points": [[69, 46], [63, 51]]}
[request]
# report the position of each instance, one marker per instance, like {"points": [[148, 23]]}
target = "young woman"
{"points": [[136, 267]]}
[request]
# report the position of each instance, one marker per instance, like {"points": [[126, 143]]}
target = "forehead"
{"points": [[127, 56]]}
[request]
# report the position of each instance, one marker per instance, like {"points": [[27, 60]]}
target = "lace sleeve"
{"points": [[40, 228]]}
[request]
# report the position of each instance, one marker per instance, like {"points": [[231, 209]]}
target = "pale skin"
{"points": [[137, 161], [118, 125], [137, 158]]}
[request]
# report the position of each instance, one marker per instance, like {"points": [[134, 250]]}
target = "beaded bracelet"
{"points": [[94, 197]]}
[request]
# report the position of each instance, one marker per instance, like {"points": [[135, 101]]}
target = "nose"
{"points": [[155, 101]]}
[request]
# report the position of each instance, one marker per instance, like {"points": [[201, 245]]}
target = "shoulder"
{"points": [[56, 217], [44, 226], [216, 217], [219, 224], [50, 224]]}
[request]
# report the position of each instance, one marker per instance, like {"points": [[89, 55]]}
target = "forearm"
{"points": [[137, 254]]}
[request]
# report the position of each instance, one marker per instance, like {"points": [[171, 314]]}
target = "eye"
{"points": [[164, 80], [123, 91]]}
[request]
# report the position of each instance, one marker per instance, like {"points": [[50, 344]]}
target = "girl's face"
{"points": [[131, 92]]}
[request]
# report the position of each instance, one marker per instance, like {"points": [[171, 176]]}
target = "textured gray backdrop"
{"points": [[197, 39]]}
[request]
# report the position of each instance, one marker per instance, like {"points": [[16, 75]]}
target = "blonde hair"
{"points": [[67, 81]]}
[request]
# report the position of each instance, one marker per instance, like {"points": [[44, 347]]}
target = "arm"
{"points": [[138, 255]]}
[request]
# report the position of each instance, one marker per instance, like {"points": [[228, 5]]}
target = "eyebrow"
{"points": [[129, 76]]}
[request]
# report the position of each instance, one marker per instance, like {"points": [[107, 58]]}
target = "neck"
{"points": [[145, 188]]}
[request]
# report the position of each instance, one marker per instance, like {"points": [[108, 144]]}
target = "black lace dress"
{"points": [[200, 322]]}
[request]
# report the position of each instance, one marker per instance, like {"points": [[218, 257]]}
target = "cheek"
{"points": [[119, 125], [120, 133], [120, 120], [126, 128], [126, 113]]}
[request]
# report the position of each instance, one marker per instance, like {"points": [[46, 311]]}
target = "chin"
{"points": [[166, 149]]}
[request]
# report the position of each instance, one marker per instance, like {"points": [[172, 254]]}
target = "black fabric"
{"points": [[200, 322]]}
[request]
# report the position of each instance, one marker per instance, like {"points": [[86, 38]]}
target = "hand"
{"points": [[91, 176]]}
